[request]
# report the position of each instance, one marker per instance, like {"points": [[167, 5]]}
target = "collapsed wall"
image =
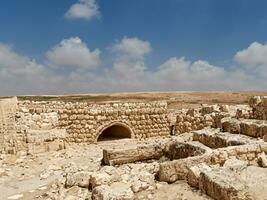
{"points": [[207, 116], [259, 107], [8, 125]]}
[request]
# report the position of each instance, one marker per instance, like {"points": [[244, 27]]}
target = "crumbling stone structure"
{"points": [[218, 149], [7, 125], [259, 107], [83, 122]]}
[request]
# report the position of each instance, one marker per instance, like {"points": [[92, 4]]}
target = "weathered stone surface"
{"points": [[230, 125], [114, 192], [194, 174], [139, 153], [81, 179], [38, 136], [168, 150], [249, 127], [213, 138], [36, 148], [8, 109], [98, 179], [243, 183], [172, 171]]}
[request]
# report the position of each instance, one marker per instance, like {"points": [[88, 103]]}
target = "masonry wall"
{"points": [[85, 121], [7, 125], [259, 107], [207, 116]]}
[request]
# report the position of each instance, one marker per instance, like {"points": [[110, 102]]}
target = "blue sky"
{"points": [[209, 31]]}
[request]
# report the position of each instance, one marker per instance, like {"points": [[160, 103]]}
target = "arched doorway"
{"points": [[114, 132]]}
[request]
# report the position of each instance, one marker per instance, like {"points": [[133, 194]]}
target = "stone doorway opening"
{"points": [[115, 132]]}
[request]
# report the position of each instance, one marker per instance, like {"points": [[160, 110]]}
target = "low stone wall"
{"points": [[171, 171], [84, 121], [7, 125], [206, 116]]}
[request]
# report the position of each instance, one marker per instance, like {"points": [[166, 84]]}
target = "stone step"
{"points": [[250, 127], [214, 138]]}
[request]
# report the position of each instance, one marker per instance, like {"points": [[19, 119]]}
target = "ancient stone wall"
{"points": [[259, 107], [206, 116], [7, 125], [85, 121]]}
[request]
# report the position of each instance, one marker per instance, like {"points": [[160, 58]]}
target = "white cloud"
{"points": [[180, 74], [21, 75], [254, 59], [131, 48], [255, 54], [75, 53], [83, 9], [12, 63]]}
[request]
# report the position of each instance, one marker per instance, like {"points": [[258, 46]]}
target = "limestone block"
{"points": [[98, 179], [115, 192], [81, 179], [133, 154], [172, 171], [194, 174], [230, 125]]}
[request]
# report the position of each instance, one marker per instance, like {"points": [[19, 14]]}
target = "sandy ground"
{"points": [[31, 177], [176, 100]]}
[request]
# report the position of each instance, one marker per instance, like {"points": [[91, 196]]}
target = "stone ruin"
{"points": [[37, 126], [219, 150]]}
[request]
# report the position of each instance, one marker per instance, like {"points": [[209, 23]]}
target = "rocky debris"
{"points": [[207, 116], [60, 193], [235, 164], [117, 191], [98, 179], [80, 178], [223, 165]]}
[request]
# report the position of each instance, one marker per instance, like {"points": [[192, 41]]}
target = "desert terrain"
{"points": [[190, 145]]}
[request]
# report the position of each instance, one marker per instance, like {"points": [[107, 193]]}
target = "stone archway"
{"points": [[114, 131]]}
